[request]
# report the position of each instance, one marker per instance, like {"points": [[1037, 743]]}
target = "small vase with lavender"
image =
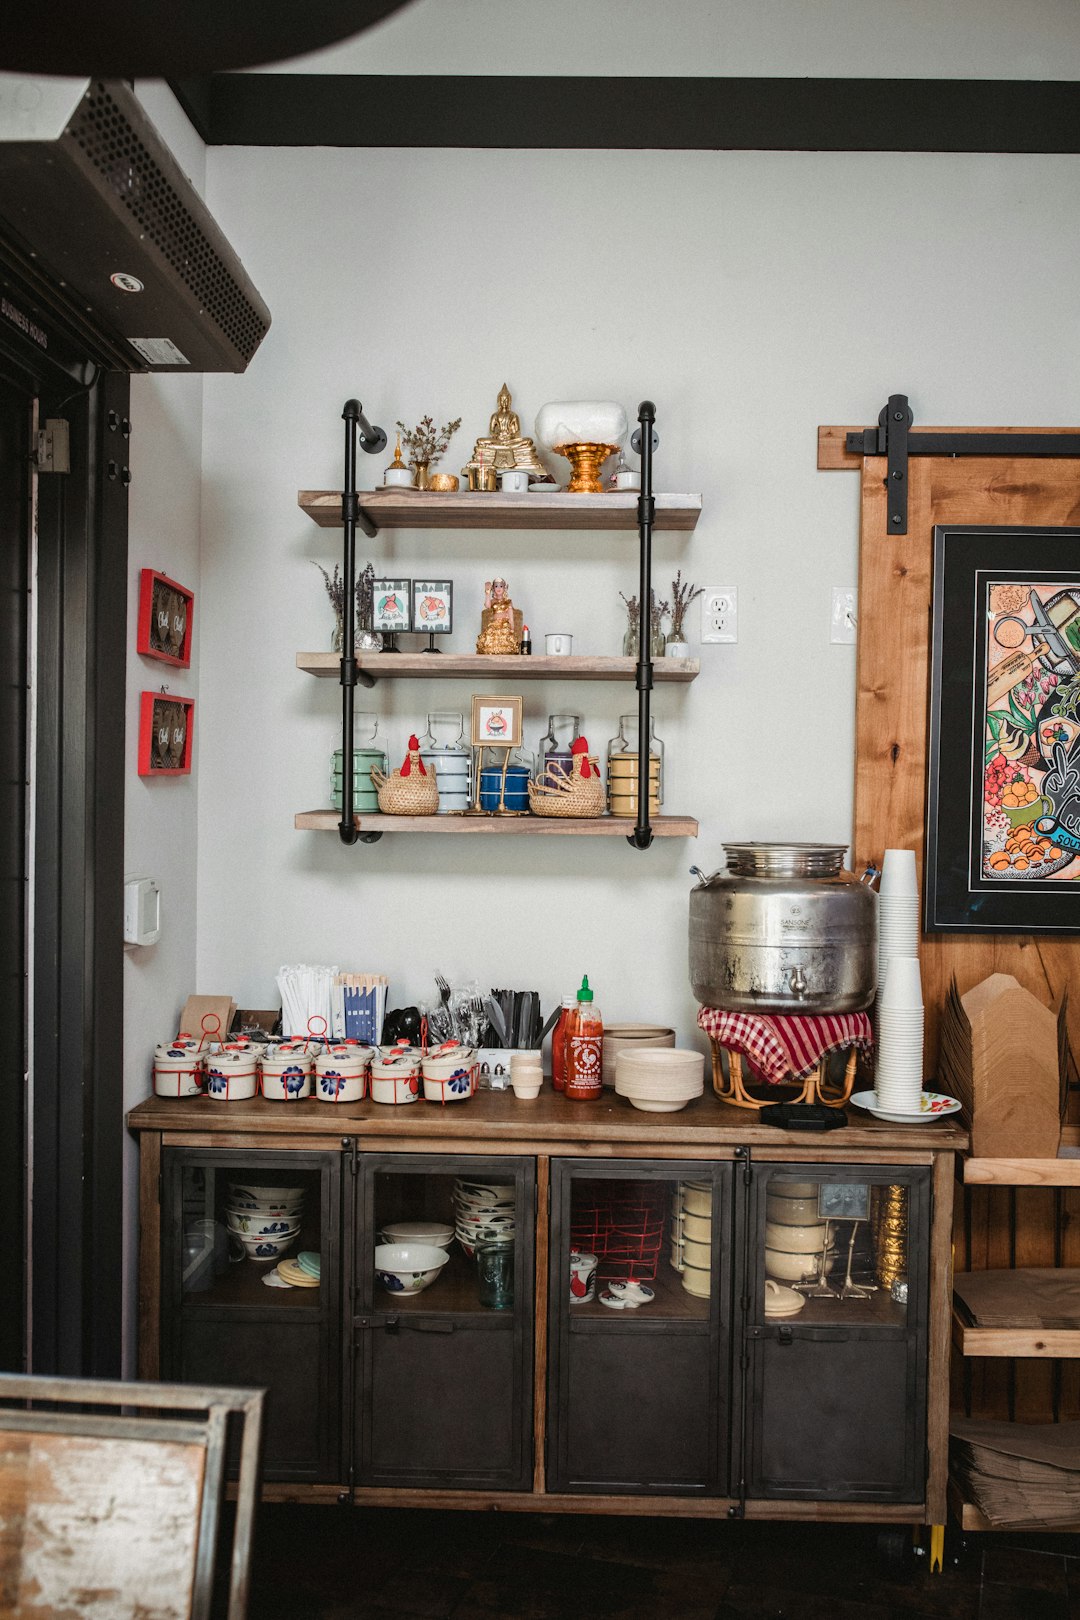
{"points": [[682, 594]]}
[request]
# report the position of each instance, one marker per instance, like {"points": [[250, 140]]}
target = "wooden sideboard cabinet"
{"points": [[698, 1402]]}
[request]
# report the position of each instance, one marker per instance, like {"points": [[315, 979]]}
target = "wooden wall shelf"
{"points": [[1041, 1343], [524, 826], [1059, 1172], [478, 666], [424, 509]]}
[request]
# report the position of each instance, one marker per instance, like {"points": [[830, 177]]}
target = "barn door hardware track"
{"points": [[894, 439]]}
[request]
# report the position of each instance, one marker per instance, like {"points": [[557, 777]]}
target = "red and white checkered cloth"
{"points": [[779, 1048]]}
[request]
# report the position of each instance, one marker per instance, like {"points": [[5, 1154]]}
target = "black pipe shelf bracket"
{"points": [[893, 439], [643, 443], [372, 440]]}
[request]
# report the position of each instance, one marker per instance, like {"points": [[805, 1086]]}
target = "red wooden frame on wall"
{"points": [[159, 635], [158, 710]]}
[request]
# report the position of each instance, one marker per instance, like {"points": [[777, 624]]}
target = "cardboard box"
{"points": [[1003, 1056]]}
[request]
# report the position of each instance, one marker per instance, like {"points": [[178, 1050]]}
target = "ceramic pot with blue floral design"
{"points": [[232, 1074], [341, 1072]]}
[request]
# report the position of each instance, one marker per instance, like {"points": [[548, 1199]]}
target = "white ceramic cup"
{"points": [[628, 479], [398, 476], [558, 644], [514, 481]]}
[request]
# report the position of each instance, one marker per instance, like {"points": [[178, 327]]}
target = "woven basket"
{"points": [[412, 795], [572, 795]]}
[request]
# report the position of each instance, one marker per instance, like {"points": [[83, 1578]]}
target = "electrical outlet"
{"points": [[844, 617], [720, 613]]}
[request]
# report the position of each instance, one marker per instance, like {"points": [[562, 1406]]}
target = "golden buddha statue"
{"points": [[500, 622], [504, 447]]}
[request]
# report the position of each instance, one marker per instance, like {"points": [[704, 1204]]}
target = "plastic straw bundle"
{"points": [[306, 996]]}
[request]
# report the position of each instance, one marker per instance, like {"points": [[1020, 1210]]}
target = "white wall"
{"points": [[964, 39], [752, 296], [160, 829]]}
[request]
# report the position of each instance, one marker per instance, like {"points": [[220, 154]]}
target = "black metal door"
{"points": [[15, 409], [221, 1323], [833, 1402], [442, 1382], [638, 1397]]}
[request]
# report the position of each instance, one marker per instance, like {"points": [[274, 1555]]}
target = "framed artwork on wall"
{"points": [[391, 605], [166, 733], [1003, 792], [496, 722], [166, 616]]}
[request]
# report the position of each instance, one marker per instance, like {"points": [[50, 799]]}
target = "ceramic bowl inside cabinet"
{"points": [[408, 1268]]}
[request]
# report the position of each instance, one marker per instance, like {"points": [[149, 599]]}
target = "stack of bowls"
{"points": [[407, 1268], [526, 1074], [660, 1081], [432, 1232], [632, 1038], [794, 1235], [484, 1212], [365, 793], [691, 1236], [263, 1222]]}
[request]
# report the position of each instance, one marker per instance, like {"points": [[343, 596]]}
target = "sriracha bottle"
{"points": [[558, 1045], [585, 1048]]}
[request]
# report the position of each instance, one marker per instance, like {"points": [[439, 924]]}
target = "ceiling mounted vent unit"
{"points": [[93, 195]]}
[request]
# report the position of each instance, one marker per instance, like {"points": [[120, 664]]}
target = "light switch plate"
{"points": [[142, 911]]}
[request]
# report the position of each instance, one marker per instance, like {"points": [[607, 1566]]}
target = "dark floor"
{"points": [[333, 1563]]}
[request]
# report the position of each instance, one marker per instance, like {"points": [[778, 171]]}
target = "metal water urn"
{"points": [[783, 929]]}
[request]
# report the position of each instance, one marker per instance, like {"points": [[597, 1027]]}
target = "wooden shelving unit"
{"points": [[425, 509], [479, 667], [493, 826], [1048, 1343], [969, 1517], [1064, 1171]]}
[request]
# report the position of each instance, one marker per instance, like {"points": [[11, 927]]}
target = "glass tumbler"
{"points": [[495, 1273]]}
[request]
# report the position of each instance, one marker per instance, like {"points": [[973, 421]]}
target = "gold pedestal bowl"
{"points": [[585, 463]]}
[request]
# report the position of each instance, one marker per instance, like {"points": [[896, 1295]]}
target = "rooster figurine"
{"points": [[578, 792], [411, 789]]}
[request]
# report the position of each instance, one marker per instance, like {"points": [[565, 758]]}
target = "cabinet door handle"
{"points": [[440, 1325]]}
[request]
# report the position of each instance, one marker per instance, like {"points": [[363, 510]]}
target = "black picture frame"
{"points": [[432, 587], [391, 624], [1035, 894]]}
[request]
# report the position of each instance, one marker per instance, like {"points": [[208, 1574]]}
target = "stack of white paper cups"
{"points": [[899, 1067], [898, 912]]}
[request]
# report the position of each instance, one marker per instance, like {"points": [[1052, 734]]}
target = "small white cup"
{"points": [[898, 873], [514, 481], [628, 479], [903, 984], [401, 477], [558, 645]]}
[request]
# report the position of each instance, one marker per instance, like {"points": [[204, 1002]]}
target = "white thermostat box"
{"points": [[142, 911]]}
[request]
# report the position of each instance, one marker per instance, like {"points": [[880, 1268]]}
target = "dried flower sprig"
{"points": [[426, 442], [657, 612], [365, 593], [631, 608], [682, 594], [335, 588]]}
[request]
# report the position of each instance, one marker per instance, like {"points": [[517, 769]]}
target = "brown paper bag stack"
{"points": [[1021, 1475], [1003, 1056]]}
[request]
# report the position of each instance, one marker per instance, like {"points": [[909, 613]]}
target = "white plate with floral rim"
{"points": [[932, 1105]]}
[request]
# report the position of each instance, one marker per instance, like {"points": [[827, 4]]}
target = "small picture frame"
{"points": [[166, 734], [496, 722], [166, 617], [433, 606], [844, 1200], [391, 605]]}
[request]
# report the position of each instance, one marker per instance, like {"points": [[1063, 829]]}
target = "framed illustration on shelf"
{"points": [[166, 733], [166, 616], [392, 605], [433, 606], [496, 722], [1003, 795]]}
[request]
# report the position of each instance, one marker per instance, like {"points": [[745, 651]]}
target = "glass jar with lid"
{"points": [[367, 754], [554, 757], [444, 750], [622, 765]]}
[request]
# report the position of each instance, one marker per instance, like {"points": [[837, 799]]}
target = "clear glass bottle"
{"points": [[444, 750], [554, 754], [622, 768], [366, 754]]}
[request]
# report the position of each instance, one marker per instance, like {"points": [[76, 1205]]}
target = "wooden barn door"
{"points": [[1002, 1226]]}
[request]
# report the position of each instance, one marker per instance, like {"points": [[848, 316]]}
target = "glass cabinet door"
{"points": [[837, 1260], [639, 1285], [229, 1221], [443, 1280]]}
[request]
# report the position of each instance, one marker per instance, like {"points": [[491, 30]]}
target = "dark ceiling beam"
{"points": [[827, 115]]}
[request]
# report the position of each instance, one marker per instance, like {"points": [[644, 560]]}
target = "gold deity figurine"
{"points": [[505, 447], [500, 622]]}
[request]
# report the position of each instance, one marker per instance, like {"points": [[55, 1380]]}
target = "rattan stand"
{"points": [[814, 1087]]}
